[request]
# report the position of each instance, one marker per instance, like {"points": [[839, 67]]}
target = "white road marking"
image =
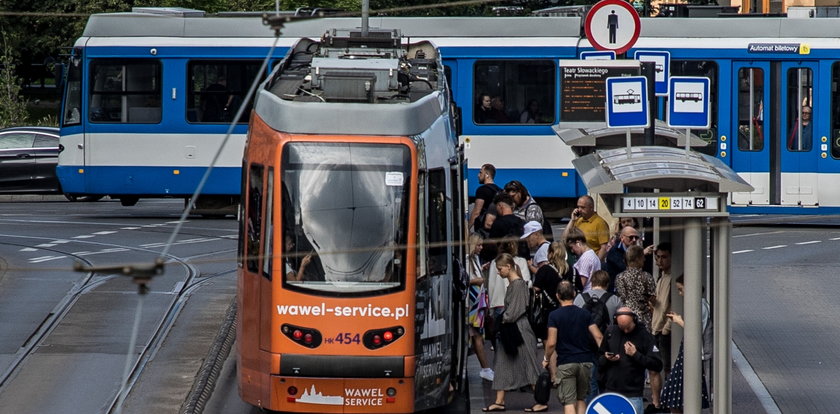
{"points": [[774, 247], [130, 228], [743, 251], [28, 249], [45, 259], [809, 242], [60, 241], [759, 234], [83, 236], [754, 382], [45, 245], [102, 233]]}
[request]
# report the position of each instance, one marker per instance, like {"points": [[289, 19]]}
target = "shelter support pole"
{"points": [[722, 355], [694, 255]]}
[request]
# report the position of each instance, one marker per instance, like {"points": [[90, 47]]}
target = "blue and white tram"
{"points": [[767, 76], [139, 119], [148, 101]]}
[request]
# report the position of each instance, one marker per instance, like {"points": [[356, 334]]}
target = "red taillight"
{"points": [[292, 390], [307, 338], [377, 338], [297, 334]]}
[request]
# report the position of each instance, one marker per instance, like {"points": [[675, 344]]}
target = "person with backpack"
{"points": [[602, 305], [625, 353], [527, 208]]}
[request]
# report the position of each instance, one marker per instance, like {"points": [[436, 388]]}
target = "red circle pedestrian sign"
{"points": [[612, 25]]}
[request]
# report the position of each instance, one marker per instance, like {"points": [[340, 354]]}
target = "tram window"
{"points": [[217, 89], [125, 91], [706, 69], [800, 88], [437, 222], [835, 110], [269, 224], [345, 206], [73, 97], [254, 217], [514, 92], [750, 109]]}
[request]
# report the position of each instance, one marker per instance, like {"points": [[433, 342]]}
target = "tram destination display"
{"points": [[583, 90]]}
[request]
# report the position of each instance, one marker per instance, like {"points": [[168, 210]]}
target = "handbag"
{"points": [[478, 306], [510, 337], [542, 389], [540, 307]]}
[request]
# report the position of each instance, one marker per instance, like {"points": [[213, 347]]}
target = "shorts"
{"points": [[574, 382], [663, 342]]}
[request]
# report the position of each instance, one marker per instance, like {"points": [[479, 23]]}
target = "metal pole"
{"points": [[365, 17], [693, 338], [722, 371], [649, 71]]}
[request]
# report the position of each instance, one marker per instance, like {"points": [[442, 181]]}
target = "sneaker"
{"points": [[486, 374]]}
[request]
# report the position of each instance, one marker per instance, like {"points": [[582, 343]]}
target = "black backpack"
{"points": [[598, 308]]}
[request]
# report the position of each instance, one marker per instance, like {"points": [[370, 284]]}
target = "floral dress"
{"points": [[634, 286]]}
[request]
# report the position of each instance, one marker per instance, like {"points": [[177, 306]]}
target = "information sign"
{"points": [[598, 55], [669, 204], [627, 102], [688, 102], [662, 68], [583, 87]]}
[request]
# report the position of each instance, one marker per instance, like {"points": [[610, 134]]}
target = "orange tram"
{"points": [[352, 182]]}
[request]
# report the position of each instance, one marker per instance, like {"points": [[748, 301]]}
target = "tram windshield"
{"points": [[345, 216]]}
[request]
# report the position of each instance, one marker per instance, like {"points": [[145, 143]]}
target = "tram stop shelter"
{"points": [[686, 193]]}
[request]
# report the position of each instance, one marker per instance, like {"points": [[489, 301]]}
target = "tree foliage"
{"points": [[12, 104]]}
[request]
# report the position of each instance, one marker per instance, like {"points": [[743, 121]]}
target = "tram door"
{"points": [[750, 151], [801, 138], [776, 149]]}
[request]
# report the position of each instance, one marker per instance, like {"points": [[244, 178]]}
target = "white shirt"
{"points": [[541, 255], [496, 285]]}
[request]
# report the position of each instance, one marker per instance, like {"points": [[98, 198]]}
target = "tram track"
{"points": [[190, 280]]}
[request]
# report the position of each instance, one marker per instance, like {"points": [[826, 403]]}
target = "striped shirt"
{"points": [[586, 265]]}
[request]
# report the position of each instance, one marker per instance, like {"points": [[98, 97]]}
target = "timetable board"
{"points": [[583, 87]]}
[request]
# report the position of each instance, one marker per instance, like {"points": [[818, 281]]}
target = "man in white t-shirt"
{"points": [[533, 235]]}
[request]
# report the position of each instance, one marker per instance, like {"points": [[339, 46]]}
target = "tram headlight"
{"points": [[391, 391], [292, 390]]}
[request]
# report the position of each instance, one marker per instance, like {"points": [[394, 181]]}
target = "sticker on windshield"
{"points": [[393, 178]]}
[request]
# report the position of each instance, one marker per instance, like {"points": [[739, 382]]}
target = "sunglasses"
{"points": [[633, 237]]}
